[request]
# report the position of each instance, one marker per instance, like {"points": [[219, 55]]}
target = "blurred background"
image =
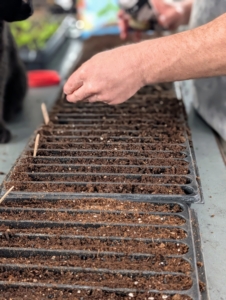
{"points": [[55, 22]]}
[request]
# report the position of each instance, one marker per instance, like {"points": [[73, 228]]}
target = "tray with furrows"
{"points": [[99, 248], [139, 149]]}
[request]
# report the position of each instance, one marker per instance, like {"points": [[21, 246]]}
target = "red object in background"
{"points": [[42, 78]]}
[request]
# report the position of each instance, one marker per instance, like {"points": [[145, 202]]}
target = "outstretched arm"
{"points": [[114, 76]]}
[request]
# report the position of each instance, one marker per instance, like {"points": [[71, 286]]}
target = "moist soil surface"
{"points": [[72, 144], [156, 263], [102, 178], [109, 162], [128, 246], [102, 153], [97, 188], [138, 247], [103, 230], [35, 293], [112, 139], [41, 168], [89, 217], [94, 278], [96, 204]]}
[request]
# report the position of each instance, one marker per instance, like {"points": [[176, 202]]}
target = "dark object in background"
{"points": [[13, 81], [142, 14], [15, 10]]}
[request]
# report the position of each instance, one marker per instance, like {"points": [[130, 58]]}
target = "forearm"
{"points": [[192, 54]]}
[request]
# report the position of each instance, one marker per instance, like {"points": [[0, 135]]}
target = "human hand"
{"points": [[123, 23], [172, 15], [111, 77]]}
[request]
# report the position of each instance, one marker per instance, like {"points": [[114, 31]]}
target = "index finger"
{"points": [[72, 84]]}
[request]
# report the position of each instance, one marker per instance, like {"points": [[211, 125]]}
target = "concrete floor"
{"points": [[211, 215]]}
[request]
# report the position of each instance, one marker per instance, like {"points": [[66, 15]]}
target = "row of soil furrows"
{"points": [[155, 122], [36, 167], [149, 232], [94, 244], [106, 161], [103, 153], [145, 136], [95, 278], [100, 178], [115, 152], [151, 263], [98, 188], [59, 142], [89, 216], [138, 246], [35, 293], [96, 204]]}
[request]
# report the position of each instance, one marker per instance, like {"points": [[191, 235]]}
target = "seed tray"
{"points": [[118, 259], [140, 148]]}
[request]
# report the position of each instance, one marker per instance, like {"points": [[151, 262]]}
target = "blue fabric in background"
{"points": [[112, 30]]}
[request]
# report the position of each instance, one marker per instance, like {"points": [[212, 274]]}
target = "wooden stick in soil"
{"points": [[36, 145], [45, 113], [6, 194]]}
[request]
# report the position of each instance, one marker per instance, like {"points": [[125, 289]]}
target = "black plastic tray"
{"points": [[88, 115], [14, 205]]}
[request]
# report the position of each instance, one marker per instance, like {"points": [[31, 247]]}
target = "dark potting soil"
{"points": [[102, 230], [41, 168], [69, 152], [100, 178], [105, 135], [138, 104], [115, 152], [95, 204], [35, 293], [110, 280], [111, 139], [146, 162], [91, 244], [147, 263], [57, 143], [114, 124], [95, 217], [133, 109], [97, 188], [60, 122]]}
